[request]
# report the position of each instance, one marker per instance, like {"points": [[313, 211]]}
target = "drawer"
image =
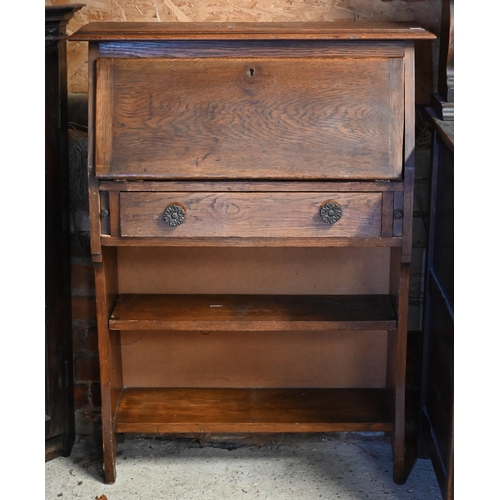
{"points": [[258, 214], [250, 118]]}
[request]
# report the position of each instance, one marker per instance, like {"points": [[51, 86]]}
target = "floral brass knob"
{"points": [[330, 212], [174, 215]]}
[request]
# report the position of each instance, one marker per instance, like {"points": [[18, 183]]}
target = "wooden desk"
{"points": [[251, 194]]}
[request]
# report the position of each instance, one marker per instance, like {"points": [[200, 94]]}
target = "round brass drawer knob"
{"points": [[330, 212], [174, 215]]}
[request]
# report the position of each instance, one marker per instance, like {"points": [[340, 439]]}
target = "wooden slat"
{"points": [[94, 201], [387, 213], [249, 187], [340, 30], [409, 150], [398, 205], [104, 212], [397, 111], [251, 48], [154, 410], [103, 115], [114, 213], [250, 242], [252, 312], [397, 352]]}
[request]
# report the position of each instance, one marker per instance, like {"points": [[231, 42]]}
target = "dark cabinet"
{"points": [[437, 402], [437, 386], [59, 432]]}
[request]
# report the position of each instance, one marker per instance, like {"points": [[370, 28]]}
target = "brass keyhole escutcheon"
{"points": [[330, 212], [174, 215]]}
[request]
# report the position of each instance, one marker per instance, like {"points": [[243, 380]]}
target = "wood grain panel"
{"points": [[249, 186], [117, 241], [267, 118], [250, 214], [255, 410], [244, 30], [252, 312]]}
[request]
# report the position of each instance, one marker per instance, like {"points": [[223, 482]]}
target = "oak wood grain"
{"points": [[249, 186], [259, 118], [152, 410], [339, 30], [397, 348], [114, 213], [252, 312], [103, 113], [93, 183], [250, 215], [387, 213], [250, 127], [252, 48], [249, 242], [110, 367]]}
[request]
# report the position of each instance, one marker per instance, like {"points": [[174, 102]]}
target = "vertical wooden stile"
{"points": [[409, 150], [93, 183]]}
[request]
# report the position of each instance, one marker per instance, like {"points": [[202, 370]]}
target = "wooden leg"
{"points": [[110, 393], [109, 453], [110, 357], [396, 373]]}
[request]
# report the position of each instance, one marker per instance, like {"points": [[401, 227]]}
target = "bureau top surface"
{"points": [[136, 31]]}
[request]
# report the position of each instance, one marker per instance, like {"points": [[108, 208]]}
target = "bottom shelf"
{"points": [[161, 410]]}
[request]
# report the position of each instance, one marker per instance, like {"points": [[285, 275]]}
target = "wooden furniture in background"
{"points": [[437, 429], [251, 194], [437, 393], [443, 101], [59, 431]]}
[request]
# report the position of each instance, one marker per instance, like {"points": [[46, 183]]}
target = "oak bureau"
{"points": [[251, 226]]}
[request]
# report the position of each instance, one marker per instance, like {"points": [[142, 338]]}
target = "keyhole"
{"points": [[251, 71]]}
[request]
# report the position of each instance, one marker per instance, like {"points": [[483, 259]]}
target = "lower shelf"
{"points": [[253, 312], [161, 410]]}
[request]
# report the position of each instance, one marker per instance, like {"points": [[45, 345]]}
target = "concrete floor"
{"points": [[284, 467]]}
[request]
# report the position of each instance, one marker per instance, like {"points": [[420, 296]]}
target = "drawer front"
{"points": [[250, 118], [250, 214]]}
